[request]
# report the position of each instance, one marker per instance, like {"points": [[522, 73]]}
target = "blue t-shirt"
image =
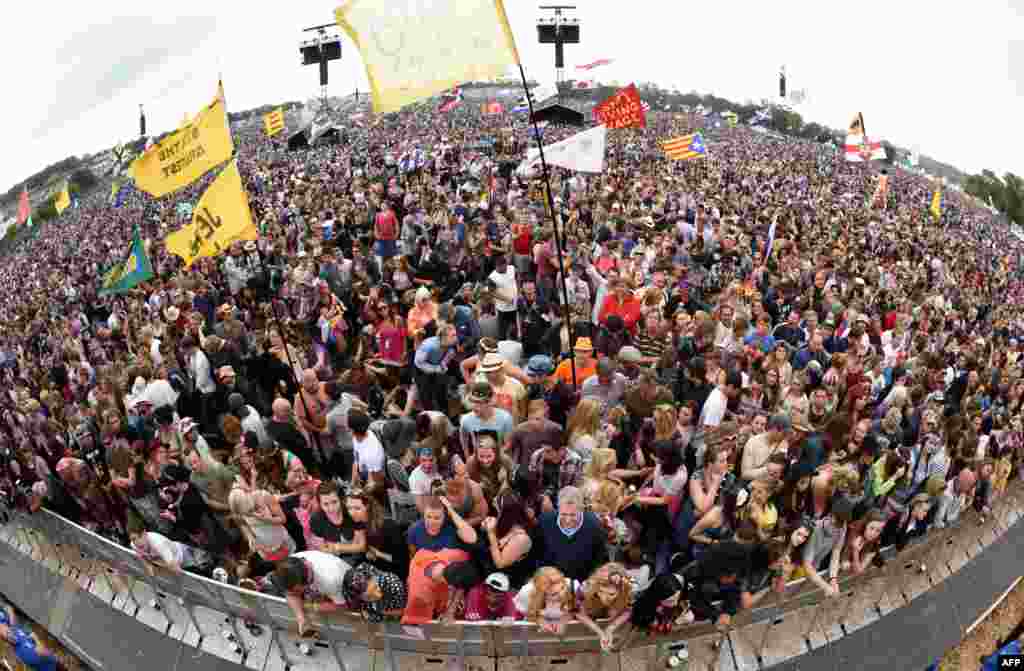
{"points": [[25, 648], [447, 539]]}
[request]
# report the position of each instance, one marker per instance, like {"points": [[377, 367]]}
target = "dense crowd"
{"points": [[392, 404]]}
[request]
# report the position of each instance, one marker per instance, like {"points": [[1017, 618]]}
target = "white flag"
{"points": [[583, 152], [543, 92]]}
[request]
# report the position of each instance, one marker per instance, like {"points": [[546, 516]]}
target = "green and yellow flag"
{"points": [[131, 272], [187, 154], [221, 217], [63, 200], [416, 50]]}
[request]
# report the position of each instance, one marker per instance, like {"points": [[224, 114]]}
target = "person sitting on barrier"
{"points": [[311, 580], [607, 595], [29, 650], [155, 549], [572, 540], [550, 600], [663, 606], [374, 594], [827, 542], [863, 541]]}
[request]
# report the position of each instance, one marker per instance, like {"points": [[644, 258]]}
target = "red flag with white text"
{"points": [[623, 109]]}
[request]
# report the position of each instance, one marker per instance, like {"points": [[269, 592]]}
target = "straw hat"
{"points": [[584, 345]]}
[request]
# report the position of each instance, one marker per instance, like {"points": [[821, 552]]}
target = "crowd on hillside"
{"points": [[392, 404]]}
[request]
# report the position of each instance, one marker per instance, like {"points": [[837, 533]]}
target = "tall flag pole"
{"points": [[554, 220]]}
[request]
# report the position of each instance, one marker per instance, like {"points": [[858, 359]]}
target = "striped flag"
{"points": [[685, 147], [273, 122], [598, 63]]}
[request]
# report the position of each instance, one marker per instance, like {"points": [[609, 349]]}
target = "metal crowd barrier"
{"points": [[62, 562]]}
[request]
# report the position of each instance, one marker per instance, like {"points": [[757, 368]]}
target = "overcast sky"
{"points": [[945, 77]]}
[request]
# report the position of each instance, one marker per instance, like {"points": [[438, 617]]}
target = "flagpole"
{"points": [[291, 365], [554, 220]]}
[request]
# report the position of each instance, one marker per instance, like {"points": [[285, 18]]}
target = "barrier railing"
{"points": [[208, 614]]}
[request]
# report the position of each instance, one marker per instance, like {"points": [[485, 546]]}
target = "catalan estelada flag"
{"points": [[685, 147], [273, 122]]}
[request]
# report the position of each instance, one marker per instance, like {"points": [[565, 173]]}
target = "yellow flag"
{"points": [[221, 217], [936, 208], [186, 154], [413, 50], [63, 200], [273, 122]]}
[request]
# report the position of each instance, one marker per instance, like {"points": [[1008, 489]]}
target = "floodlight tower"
{"points": [[325, 47], [558, 31]]}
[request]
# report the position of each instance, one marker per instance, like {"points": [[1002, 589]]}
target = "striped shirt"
{"points": [[650, 346]]}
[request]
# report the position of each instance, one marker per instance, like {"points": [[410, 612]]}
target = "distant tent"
{"points": [[559, 114], [298, 141]]}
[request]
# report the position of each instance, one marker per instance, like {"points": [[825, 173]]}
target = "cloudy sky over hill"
{"points": [[945, 77]]}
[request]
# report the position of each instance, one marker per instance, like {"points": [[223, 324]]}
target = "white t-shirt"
{"points": [[170, 552], [328, 574], [507, 285], [711, 415], [419, 482], [369, 453], [714, 409]]}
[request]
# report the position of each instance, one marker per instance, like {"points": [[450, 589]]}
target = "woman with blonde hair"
{"points": [[584, 429], [601, 469], [550, 600], [261, 520], [607, 595], [422, 313], [762, 511]]}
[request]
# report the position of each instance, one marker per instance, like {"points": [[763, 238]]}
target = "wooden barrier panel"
{"points": [[587, 661], [783, 637], [826, 626], [411, 661]]}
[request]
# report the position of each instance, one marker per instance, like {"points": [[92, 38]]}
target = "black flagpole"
{"points": [[554, 220], [291, 365]]}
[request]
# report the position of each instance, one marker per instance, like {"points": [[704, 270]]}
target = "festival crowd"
{"points": [[403, 402]]}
